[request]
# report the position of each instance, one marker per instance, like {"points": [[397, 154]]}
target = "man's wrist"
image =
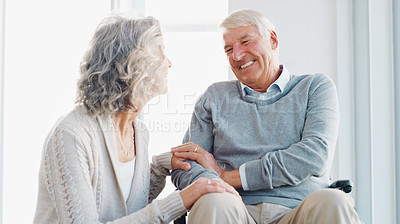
{"points": [[232, 178], [222, 175], [220, 172]]}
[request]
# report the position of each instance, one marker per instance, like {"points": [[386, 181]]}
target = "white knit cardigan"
{"points": [[79, 176]]}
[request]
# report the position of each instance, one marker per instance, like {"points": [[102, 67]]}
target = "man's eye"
{"points": [[228, 50], [245, 42]]}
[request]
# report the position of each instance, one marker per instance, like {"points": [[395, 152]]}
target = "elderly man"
{"points": [[270, 134]]}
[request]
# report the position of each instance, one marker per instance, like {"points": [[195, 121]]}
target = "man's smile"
{"points": [[247, 64]]}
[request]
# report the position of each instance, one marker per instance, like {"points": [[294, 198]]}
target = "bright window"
{"points": [[44, 43], [194, 44]]}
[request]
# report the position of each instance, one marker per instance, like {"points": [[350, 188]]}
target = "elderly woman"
{"points": [[94, 164]]}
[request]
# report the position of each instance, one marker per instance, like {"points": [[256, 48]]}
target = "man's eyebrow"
{"points": [[245, 36], [251, 36]]}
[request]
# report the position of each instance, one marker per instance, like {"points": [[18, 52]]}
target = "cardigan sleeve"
{"points": [[160, 168], [159, 211], [67, 175]]}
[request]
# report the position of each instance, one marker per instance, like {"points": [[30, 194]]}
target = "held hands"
{"points": [[203, 186], [196, 153]]}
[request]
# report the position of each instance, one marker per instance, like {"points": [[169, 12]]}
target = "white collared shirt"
{"points": [[277, 87]]}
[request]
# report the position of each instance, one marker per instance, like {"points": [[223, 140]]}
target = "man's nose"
{"points": [[238, 53]]}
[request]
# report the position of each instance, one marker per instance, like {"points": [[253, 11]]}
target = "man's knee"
{"points": [[331, 204], [219, 202], [219, 208], [330, 198]]}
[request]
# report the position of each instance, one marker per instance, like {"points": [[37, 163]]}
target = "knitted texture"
{"points": [[159, 170]]}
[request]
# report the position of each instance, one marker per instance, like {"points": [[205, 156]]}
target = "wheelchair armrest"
{"points": [[343, 185]]}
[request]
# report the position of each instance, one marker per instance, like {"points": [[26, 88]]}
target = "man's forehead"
{"points": [[240, 33]]}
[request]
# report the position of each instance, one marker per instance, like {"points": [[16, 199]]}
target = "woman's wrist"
{"points": [[163, 160]]}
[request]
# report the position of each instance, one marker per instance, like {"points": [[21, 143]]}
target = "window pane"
{"points": [[194, 68]]}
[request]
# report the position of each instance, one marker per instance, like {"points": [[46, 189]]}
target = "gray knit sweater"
{"points": [[285, 143], [79, 177]]}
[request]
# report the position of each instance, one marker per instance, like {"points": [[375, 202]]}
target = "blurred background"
{"points": [[354, 42]]}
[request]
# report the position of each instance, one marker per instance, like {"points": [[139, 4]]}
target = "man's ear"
{"points": [[274, 40]]}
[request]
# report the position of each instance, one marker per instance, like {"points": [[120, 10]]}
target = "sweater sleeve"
{"points": [[201, 129], [67, 175], [312, 155]]}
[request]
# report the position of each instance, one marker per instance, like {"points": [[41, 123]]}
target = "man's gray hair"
{"points": [[246, 17], [123, 67]]}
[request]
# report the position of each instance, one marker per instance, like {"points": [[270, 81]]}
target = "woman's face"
{"points": [[165, 64]]}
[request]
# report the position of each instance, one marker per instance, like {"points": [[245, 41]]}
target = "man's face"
{"points": [[253, 58]]}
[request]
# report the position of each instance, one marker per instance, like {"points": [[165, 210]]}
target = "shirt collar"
{"points": [[281, 82]]}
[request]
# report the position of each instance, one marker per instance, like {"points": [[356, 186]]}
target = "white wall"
{"points": [[306, 32], [374, 105], [2, 16]]}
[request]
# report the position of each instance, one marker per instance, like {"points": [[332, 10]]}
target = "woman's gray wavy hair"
{"points": [[123, 67], [246, 17]]}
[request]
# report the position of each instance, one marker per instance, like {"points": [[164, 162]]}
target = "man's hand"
{"points": [[196, 153]]}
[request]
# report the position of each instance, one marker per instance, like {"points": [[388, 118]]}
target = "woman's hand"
{"points": [[196, 153], [179, 163], [203, 186]]}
